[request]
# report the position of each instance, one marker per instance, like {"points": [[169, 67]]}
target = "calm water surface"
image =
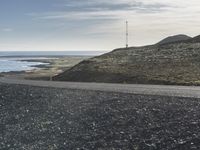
{"points": [[11, 61]]}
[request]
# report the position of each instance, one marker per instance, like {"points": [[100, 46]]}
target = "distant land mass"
{"points": [[176, 38], [174, 60]]}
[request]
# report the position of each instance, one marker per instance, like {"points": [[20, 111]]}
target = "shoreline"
{"points": [[53, 65]]}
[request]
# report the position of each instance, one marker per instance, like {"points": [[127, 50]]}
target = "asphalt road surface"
{"points": [[164, 90]]}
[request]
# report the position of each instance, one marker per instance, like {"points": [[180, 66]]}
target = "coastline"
{"points": [[53, 66]]}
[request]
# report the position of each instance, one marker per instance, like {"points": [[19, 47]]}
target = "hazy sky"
{"points": [[93, 24]]}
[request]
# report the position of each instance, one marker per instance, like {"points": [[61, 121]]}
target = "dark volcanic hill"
{"points": [[176, 38], [173, 63], [195, 39]]}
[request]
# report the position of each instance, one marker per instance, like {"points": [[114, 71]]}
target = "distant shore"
{"points": [[53, 66]]}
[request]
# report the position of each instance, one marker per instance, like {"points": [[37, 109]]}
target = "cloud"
{"points": [[97, 10], [7, 29], [89, 5], [104, 21]]}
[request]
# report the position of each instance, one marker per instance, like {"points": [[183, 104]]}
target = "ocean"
{"points": [[11, 61], [50, 53]]}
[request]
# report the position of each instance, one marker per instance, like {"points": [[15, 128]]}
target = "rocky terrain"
{"points": [[176, 38], [36, 118], [177, 62]]}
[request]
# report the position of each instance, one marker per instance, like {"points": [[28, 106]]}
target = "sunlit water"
{"points": [[7, 65], [11, 61]]}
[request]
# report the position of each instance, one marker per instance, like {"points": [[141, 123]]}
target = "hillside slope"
{"points": [[175, 63], [176, 38]]}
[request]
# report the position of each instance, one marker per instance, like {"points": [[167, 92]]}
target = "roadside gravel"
{"points": [[52, 118]]}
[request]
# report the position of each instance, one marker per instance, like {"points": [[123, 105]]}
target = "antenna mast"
{"points": [[126, 34]]}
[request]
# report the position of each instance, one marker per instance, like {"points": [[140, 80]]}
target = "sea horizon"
{"points": [[49, 53], [12, 60]]}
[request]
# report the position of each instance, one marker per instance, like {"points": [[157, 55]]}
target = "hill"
{"points": [[176, 38], [173, 63]]}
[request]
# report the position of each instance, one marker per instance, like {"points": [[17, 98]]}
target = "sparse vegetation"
{"points": [[173, 63]]}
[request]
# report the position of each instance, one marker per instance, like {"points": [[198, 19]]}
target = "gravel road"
{"points": [[163, 90], [33, 118]]}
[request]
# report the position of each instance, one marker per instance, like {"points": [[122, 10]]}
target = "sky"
{"points": [[58, 25]]}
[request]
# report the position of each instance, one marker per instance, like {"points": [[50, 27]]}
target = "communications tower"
{"points": [[126, 34]]}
